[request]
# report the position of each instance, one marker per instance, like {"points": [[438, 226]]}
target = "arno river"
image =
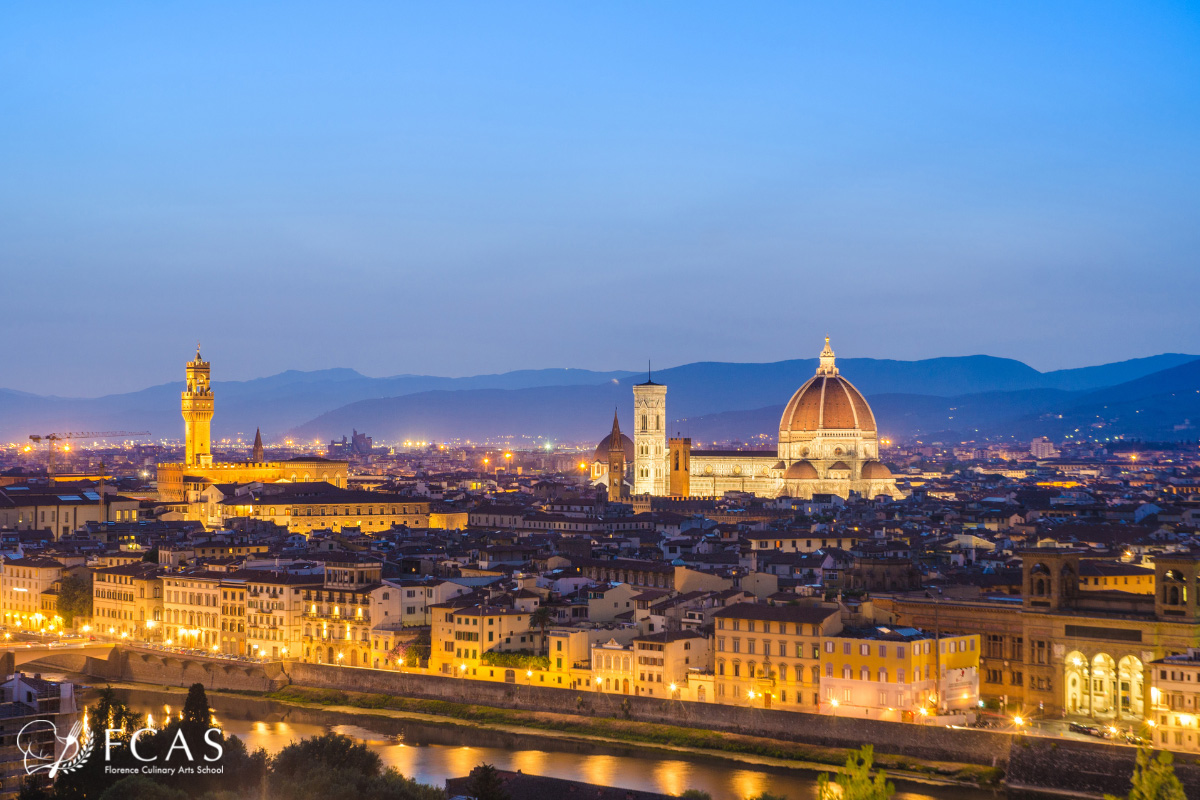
{"points": [[430, 753]]}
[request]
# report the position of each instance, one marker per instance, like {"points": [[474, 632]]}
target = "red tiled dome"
{"points": [[827, 401], [800, 471], [602, 449], [875, 471]]}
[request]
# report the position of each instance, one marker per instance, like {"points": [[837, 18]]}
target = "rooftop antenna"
{"points": [[648, 374]]}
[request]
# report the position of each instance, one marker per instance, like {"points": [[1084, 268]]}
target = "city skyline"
{"points": [[451, 185]]}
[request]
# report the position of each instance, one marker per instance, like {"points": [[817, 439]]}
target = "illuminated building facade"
{"points": [[192, 609], [1061, 649], [337, 614], [127, 602], [22, 582], [176, 481], [828, 444], [770, 656]]}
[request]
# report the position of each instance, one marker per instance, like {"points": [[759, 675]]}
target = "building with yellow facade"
{"points": [[198, 470], [127, 602], [306, 506], [192, 609], [899, 674], [337, 614], [22, 583], [770, 656], [1174, 716], [275, 611], [462, 633]]}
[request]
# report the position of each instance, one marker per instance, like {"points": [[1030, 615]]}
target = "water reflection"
{"points": [[431, 753]]}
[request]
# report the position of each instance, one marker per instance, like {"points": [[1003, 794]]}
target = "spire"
{"points": [[258, 458], [827, 361], [615, 442]]}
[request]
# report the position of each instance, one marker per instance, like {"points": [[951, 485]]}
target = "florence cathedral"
{"points": [[828, 444]]}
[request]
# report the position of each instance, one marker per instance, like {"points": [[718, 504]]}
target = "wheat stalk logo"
{"points": [[77, 747]]}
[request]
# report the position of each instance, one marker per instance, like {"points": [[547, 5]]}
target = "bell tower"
{"points": [[616, 464], [197, 407], [650, 438]]}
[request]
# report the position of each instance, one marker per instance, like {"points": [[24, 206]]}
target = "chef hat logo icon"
{"points": [[44, 750]]}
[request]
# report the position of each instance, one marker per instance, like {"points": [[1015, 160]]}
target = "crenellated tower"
{"points": [[197, 407], [650, 438]]}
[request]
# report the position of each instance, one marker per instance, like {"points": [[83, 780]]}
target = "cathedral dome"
{"points": [[842, 465], [605, 443], [800, 471], [827, 401], [875, 471]]}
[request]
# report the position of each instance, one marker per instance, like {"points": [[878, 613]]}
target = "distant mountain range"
{"points": [[951, 399]]}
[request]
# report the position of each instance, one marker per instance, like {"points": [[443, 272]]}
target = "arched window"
{"points": [[847, 674], [864, 674], [883, 676]]}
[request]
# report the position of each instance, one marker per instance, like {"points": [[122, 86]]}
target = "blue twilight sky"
{"points": [[455, 188]]}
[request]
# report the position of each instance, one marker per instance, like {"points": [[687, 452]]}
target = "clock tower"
{"points": [[197, 406]]}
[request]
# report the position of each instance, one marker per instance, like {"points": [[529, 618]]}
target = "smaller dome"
{"points": [[801, 471], [602, 449], [875, 471], [841, 465]]}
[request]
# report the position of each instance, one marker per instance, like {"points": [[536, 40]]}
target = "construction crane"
{"points": [[51, 438]]}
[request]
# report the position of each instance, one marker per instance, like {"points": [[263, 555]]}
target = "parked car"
{"points": [[1088, 730]]}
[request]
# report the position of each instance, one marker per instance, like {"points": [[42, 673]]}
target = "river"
{"points": [[431, 752]]}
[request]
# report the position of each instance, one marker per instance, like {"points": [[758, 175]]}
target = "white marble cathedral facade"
{"points": [[828, 444]]}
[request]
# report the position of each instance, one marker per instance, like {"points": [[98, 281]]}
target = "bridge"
{"points": [[66, 656]]}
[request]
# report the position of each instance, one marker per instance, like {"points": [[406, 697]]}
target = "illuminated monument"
{"points": [[828, 444], [176, 481], [197, 407]]}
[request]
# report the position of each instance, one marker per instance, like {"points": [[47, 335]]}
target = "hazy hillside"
{"points": [[275, 403], [1162, 402], [973, 395]]}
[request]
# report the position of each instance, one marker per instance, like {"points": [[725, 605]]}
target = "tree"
{"points": [[855, 781], [696, 794], [1153, 778], [541, 618], [196, 710], [75, 598], [768, 796], [330, 751], [486, 784]]}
